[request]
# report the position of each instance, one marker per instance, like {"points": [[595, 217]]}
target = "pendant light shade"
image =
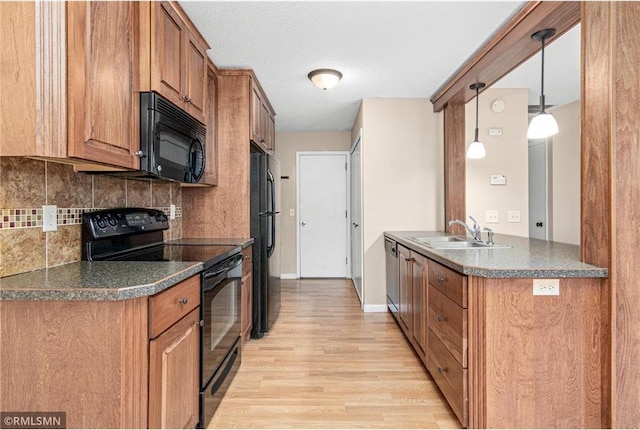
{"points": [[476, 149], [543, 125], [325, 78]]}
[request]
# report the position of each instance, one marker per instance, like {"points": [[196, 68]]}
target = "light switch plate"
{"points": [[546, 287], [498, 180], [172, 211], [49, 218], [491, 216], [513, 216], [292, 212]]}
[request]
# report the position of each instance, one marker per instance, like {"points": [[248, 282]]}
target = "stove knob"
{"points": [[113, 222], [102, 223]]}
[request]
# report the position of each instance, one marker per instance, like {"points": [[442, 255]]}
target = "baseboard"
{"points": [[375, 308], [288, 276]]}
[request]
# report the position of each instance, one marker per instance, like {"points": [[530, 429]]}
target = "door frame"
{"points": [[348, 204], [357, 141]]}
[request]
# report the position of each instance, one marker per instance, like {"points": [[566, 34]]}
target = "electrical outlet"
{"points": [[491, 216], [513, 216], [49, 218], [546, 287], [172, 211]]}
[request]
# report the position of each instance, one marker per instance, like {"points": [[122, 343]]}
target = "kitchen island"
{"points": [[503, 352]]}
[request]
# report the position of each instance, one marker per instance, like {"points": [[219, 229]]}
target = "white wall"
{"points": [[565, 150], [506, 155], [402, 169], [287, 144]]}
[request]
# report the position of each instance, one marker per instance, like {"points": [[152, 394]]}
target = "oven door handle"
{"points": [[225, 372], [229, 266]]}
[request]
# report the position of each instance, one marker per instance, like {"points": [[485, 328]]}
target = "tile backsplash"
{"points": [[26, 185]]}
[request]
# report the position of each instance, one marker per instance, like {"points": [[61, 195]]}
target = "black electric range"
{"points": [[136, 234]]}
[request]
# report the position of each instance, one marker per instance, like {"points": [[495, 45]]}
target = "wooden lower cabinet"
{"points": [[412, 313], [502, 357], [174, 375], [246, 296], [97, 362]]}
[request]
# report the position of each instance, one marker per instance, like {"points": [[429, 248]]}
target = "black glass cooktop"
{"points": [[208, 254]]}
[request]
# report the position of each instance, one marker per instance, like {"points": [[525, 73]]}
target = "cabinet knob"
{"points": [[139, 154], [441, 318], [442, 369], [410, 259], [440, 279], [183, 300], [186, 98]]}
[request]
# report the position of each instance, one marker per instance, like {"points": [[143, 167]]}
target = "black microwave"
{"points": [[172, 142]]}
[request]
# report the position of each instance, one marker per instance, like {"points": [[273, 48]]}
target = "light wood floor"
{"points": [[326, 364]]}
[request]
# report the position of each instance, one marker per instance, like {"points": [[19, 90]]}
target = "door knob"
{"points": [[355, 225], [303, 223], [539, 224]]}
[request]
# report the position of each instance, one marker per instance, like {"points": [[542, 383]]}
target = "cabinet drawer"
{"points": [[451, 283], [170, 305], [450, 377], [449, 323]]}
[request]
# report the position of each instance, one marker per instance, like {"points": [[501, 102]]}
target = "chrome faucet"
{"points": [[474, 231], [489, 236]]}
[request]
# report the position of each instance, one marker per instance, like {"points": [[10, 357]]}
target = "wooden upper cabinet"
{"points": [[262, 119], [178, 60], [211, 114], [102, 67]]}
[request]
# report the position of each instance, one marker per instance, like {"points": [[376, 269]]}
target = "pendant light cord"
{"points": [[542, 80], [477, 92]]}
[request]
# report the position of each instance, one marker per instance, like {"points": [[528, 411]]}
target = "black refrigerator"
{"points": [[265, 229]]}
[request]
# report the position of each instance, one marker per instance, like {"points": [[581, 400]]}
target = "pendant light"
{"points": [[476, 149], [542, 125]]}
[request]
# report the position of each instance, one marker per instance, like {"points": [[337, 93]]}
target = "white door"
{"points": [[356, 217], [538, 186], [322, 214]]}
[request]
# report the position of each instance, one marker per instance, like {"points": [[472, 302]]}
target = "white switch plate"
{"points": [[513, 216], [292, 212], [495, 132], [172, 211], [49, 218], [491, 216], [546, 287], [498, 180]]}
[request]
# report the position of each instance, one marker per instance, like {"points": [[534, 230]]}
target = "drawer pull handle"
{"points": [[411, 259], [183, 300], [440, 279], [442, 369], [441, 318]]}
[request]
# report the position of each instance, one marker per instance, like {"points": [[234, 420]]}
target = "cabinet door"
{"points": [[246, 314], [195, 77], [211, 166], [167, 52], [419, 287], [256, 115], [404, 284], [102, 66], [174, 375]]}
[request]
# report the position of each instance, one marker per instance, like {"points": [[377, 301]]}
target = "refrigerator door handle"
{"points": [[271, 246], [272, 189]]}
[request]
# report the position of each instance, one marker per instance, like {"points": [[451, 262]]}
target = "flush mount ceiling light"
{"points": [[325, 78], [476, 149], [542, 125]]}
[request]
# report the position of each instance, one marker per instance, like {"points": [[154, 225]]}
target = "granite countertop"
{"points": [[97, 280], [213, 241], [527, 258]]}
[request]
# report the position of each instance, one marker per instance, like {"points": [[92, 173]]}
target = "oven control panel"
{"points": [[124, 221]]}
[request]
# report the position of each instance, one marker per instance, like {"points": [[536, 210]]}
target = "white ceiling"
{"points": [[383, 49]]}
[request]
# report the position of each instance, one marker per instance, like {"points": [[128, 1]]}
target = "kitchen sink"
{"points": [[453, 242]]}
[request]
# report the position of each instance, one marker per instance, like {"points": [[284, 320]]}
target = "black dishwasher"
{"points": [[391, 251]]}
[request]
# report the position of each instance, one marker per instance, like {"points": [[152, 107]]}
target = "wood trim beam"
{"points": [[454, 166], [509, 47]]}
